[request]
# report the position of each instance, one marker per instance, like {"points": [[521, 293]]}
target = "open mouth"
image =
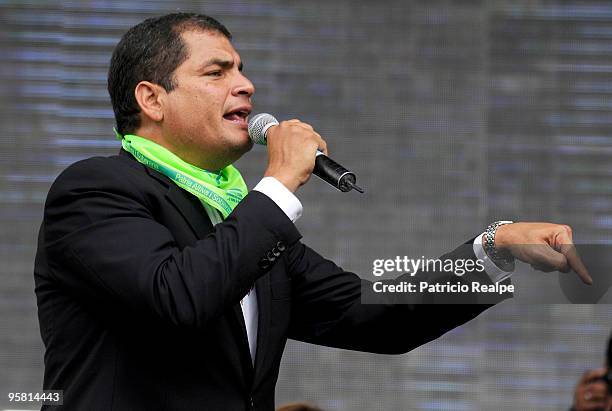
{"points": [[239, 116]]}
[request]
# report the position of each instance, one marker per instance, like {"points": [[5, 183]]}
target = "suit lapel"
{"points": [[186, 204], [194, 214], [191, 209]]}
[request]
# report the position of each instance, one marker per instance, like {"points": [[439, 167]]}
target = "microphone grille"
{"points": [[259, 125]]}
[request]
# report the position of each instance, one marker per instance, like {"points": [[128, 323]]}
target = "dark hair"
{"points": [[150, 51]]}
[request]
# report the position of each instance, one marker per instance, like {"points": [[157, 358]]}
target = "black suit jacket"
{"points": [[138, 295]]}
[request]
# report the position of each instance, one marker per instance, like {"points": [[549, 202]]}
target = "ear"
{"points": [[149, 98]]}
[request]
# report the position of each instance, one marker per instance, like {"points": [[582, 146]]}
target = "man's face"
{"points": [[205, 118]]}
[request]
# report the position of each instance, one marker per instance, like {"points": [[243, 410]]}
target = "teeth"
{"points": [[237, 115], [234, 117]]}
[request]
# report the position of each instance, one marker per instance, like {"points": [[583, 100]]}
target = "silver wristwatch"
{"points": [[504, 261]]}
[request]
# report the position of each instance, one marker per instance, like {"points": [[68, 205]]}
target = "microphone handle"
{"points": [[333, 173]]}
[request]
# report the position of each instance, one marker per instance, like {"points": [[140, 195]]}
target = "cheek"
{"points": [[210, 98], [194, 112], [198, 106], [205, 107]]}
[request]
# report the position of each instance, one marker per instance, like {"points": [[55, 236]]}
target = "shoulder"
{"points": [[117, 170], [118, 174], [96, 189], [94, 168]]}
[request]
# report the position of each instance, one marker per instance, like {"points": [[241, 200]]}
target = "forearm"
{"points": [[336, 308]]}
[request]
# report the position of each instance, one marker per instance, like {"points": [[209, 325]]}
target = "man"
{"points": [[163, 284], [593, 390]]}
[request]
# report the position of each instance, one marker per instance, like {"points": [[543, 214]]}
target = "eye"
{"points": [[216, 73]]}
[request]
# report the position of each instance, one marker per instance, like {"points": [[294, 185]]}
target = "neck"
{"points": [[222, 191], [187, 154]]}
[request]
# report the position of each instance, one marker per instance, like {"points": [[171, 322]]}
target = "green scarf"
{"points": [[222, 190]]}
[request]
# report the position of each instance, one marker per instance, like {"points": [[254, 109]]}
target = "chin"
{"points": [[238, 150], [245, 149], [244, 146]]}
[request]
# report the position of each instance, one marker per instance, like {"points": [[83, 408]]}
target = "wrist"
{"points": [[496, 243], [288, 182], [502, 237]]}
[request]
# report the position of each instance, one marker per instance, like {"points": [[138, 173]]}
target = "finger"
{"points": [[300, 123], [568, 249], [544, 268], [322, 144], [576, 263], [305, 126], [568, 230], [544, 256]]}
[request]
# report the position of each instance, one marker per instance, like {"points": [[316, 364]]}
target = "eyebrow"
{"points": [[224, 64]]}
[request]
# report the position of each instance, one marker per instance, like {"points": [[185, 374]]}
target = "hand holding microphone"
{"points": [[295, 151], [292, 147]]}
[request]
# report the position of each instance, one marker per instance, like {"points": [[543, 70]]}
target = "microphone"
{"points": [[325, 168]]}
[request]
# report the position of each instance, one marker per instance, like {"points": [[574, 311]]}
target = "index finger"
{"points": [[322, 144], [574, 261]]}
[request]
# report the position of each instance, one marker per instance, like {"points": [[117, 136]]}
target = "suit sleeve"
{"points": [[104, 246], [328, 307]]}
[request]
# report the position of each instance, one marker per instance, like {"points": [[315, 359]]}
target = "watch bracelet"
{"points": [[489, 244]]}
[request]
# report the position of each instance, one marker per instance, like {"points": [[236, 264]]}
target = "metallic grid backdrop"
{"points": [[453, 114]]}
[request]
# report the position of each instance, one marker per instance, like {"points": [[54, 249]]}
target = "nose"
{"points": [[244, 86]]}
